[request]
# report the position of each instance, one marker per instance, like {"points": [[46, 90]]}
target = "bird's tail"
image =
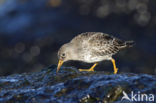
{"points": [[129, 43]]}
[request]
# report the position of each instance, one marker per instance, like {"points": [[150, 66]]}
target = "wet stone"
{"points": [[72, 86]]}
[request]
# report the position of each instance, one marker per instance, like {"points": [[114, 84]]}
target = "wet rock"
{"points": [[72, 86]]}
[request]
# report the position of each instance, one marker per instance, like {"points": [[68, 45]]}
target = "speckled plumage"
{"points": [[96, 46], [92, 47]]}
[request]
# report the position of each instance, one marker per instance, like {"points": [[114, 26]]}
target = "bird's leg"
{"points": [[114, 65], [91, 69]]}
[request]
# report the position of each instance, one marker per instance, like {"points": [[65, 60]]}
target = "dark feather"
{"points": [[130, 43], [100, 43]]}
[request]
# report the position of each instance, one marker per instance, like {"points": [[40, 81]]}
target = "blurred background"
{"points": [[31, 32]]}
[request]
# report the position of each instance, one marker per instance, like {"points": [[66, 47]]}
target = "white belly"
{"points": [[90, 59]]}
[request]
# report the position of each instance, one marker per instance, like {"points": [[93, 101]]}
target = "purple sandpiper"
{"points": [[92, 47]]}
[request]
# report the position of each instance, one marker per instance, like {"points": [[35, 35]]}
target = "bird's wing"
{"points": [[99, 43], [104, 44], [82, 37]]}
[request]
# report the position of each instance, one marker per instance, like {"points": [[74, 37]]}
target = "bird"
{"points": [[92, 47]]}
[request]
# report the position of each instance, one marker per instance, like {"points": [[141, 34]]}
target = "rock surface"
{"points": [[72, 86]]}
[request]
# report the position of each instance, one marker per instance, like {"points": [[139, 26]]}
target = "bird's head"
{"points": [[64, 54]]}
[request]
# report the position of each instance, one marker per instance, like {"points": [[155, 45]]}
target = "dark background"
{"points": [[31, 32]]}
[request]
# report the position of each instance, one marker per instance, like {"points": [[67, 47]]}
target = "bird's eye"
{"points": [[63, 54]]}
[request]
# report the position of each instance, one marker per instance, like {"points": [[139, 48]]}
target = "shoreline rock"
{"points": [[72, 86]]}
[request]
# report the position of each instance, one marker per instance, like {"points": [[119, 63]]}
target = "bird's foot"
{"points": [[115, 70], [88, 70]]}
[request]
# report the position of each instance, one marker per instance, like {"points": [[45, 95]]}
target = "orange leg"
{"points": [[114, 65], [91, 69]]}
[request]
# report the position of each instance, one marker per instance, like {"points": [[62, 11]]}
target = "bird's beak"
{"points": [[59, 65]]}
